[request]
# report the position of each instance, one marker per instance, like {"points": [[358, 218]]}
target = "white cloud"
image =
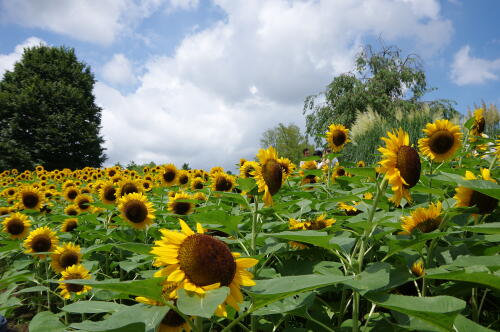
{"points": [[7, 61], [93, 21], [182, 5], [467, 69], [209, 102], [119, 71]]}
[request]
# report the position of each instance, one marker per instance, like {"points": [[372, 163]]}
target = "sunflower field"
{"points": [[410, 243]]}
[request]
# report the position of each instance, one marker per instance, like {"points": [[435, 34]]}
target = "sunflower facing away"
{"points": [[479, 122], [417, 268], [337, 136], [400, 163], [128, 186], [136, 210], [30, 198], [74, 272], [69, 225], [200, 262], [469, 197], [269, 175], [40, 240], [180, 204], [17, 225], [441, 141], [424, 219], [64, 256]]}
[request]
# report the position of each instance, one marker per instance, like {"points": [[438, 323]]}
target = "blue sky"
{"points": [[199, 81]]}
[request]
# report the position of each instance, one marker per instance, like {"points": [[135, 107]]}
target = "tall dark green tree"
{"points": [[48, 114], [383, 81]]}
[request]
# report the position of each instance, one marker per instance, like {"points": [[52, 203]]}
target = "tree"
{"points": [[382, 81], [287, 140], [47, 112]]}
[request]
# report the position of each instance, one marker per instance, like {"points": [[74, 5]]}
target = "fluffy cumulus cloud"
{"points": [[119, 71], [210, 101], [93, 21], [467, 69], [7, 61], [182, 5]]}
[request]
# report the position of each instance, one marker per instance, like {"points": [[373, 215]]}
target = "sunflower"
{"points": [[72, 210], [74, 272], [69, 224], [338, 171], [469, 197], [128, 186], [269, 175], [136, 209], [297, 245], [216, 169], [287, 166], [183, 178], [320, 222], [30, 198], [107, 193], [441, 141], [42, 239], [401, 164], [361, 163], [70, 193], [349, 210], [17, 225], [65, 256], [200, 262], [479, 122], [147, 185], [169, 175], [222, 182], [417, 268], [83, 202], [248, 169], [368, 195], [337, 136], [199, 196], [424, 219], [180, 204], [197, 183]]}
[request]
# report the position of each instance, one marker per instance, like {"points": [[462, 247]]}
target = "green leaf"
{"points": [[439, 311], [317, 238], [489, 228], [93, 307], [288, 304], [483, 278], [486, 187], [138, 248], [463, 324], [377, 277], [150, 288], [203, 306], [32, 289], [246, 184], [135, 318], [362, 171], [219, 217], [46, 321]]}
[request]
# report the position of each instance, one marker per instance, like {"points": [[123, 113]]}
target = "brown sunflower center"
{"points": [[68, 258], [75, 288], [181, 207], [408, 163], [206, 260], [248, 172], [429, 225], [341, 172], [173, 319], [146, 185], [223, 184], [129, 188], [441, 141], [11, 192], [41, 243], [72, 194], [183, 179], [109, 194], [136, 212], [111, 173], [15, 226], [272, 174], [70, 225], [30, 200], [198, 185], [84, 204], [72, 212], [484, 203], [169, 176], [479, 125], [338, 137]]}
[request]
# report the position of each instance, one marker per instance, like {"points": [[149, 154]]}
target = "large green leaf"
{"points": [[483, 278], [202, 306], [219, 217], [489, 228], [317, 238], [46, 321], [439, 311], [463, 324], [93, 307], [486, 187], [378, 277]]}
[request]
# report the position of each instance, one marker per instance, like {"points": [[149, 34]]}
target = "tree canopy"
{"points": [[382, 81], [287, 140], [48, 113]]}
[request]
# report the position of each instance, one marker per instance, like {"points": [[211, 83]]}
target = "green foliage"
{"points": [[47, 112], [287, 140], [381, 81]]}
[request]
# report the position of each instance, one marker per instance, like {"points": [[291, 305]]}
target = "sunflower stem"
{"points": [[199, 324], [355, 312], [430, 180], [493, 162], [253, 320], [47, 276]]}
